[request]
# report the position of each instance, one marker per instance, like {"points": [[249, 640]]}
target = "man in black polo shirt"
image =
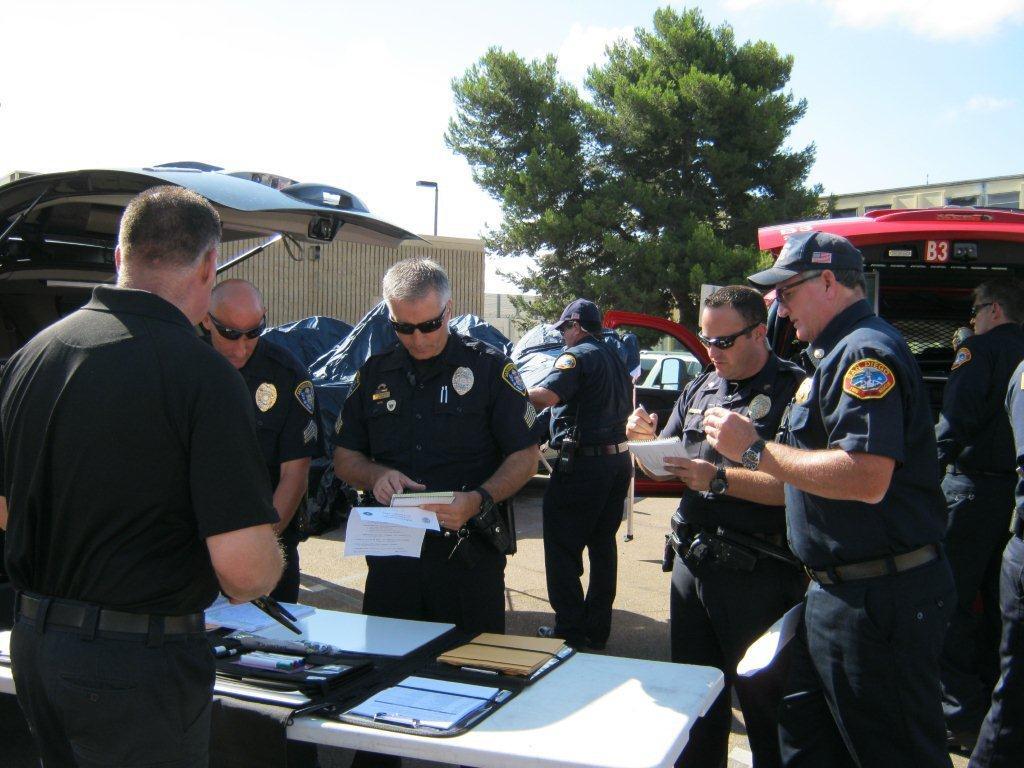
{"points": [[125, 506], [718, 605], [283, 403]]}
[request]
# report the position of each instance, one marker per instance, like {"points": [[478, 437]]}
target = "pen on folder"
{"points": [[273, 609], [481, 671]]}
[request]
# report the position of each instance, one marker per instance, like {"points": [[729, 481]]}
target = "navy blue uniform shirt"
{"points": [[448, 424], [595, 393], [1015, 410], [973, 431], [866, 395], [284, 405], [772, 388]]}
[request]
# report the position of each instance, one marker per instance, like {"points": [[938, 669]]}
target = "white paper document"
{"points": [[419, 701], [373, 536], [248, 617], [763, 651], [411, 517], [652, 453]]}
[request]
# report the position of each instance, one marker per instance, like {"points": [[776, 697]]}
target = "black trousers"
{"points": [[584, 510], [863, 684], [714, 616], [1001, 742], [287, 589], [979, 510], [436, 587], [113, 699]]}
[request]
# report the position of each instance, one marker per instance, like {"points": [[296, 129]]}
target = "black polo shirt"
{"points": [[127, 441], [973, 431], [763, 398], [595, 391], [284, 405], [447, 424], [865, 395]]}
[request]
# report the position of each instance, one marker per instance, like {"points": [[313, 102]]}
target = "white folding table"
{"points": [[599, 711]]}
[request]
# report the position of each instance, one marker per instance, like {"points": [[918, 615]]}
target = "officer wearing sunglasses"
{"points": [[437, 412], [718, 604], [977, 453], [283, 402]]}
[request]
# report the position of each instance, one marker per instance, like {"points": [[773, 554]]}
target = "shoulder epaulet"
{"points": [[284, 356]]}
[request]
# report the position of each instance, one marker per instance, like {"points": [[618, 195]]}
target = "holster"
{"points": [[495, 525], [566, 461]]}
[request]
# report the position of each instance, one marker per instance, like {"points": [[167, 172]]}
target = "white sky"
{"points": [[358, 95]]}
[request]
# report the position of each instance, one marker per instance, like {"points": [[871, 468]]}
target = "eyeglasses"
{"points": [[233, 334], [428, 326], [783, 293], [724, 342], [978, 307]]}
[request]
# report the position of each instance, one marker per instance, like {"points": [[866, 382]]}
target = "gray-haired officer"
{"points": [[721, 601], [590, 394], [437, 412], [976, 450], [864, 513], [1001, 741]]}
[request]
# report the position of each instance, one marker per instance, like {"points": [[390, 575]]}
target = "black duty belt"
{"points": [[69, 615], [869, 569], [1017, 526], [956, 469], [602, 450]]}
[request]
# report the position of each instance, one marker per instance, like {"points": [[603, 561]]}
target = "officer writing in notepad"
{"points": [[719, 604]]}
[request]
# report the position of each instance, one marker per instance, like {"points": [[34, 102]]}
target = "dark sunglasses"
{"points": [[428, 326], [978, 307], [783, 293], [724, 342], [233, 334]]}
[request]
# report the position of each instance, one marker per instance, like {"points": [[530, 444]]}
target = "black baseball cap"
{"points": [[810, 251], [582, 311]]}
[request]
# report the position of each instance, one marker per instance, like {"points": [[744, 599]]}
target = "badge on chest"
{"points": [[266, 396]]}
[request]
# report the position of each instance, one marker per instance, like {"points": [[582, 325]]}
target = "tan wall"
{"points": [[344, 282]]}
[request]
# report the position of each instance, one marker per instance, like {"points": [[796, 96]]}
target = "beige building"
{"points": [[994, 192], [342, 280]]}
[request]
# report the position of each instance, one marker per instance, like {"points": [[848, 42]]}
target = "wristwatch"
{"points": [[752, 456], [719, 484], [486, 500]]}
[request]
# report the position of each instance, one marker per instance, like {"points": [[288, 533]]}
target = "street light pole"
{"points": [[431, 184]]}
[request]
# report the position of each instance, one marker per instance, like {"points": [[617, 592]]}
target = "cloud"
{"points": [[988, 104], [935, 19], [584, 47]]}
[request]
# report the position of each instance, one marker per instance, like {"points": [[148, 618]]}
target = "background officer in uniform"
{"points": [[125, 506], [865, 515], [283, 403], [717, 607], [1001, 741], [591, 395], [438, 412], [976, 450]]}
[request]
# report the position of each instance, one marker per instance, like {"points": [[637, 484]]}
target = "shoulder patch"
{"points": [[963, 355], [565, 362], [355, 385], [868, 379], [510, 375], [304, 394]]}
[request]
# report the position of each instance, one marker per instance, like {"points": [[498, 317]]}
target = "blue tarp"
{"points": [[310, 338]]}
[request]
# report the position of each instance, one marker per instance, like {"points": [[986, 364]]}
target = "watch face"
{"points": [[718, 485]]}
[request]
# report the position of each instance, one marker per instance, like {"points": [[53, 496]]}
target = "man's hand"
{"points": [[642, 425], [392, 482], [696, 473], [729, 433], [455, 515]]}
